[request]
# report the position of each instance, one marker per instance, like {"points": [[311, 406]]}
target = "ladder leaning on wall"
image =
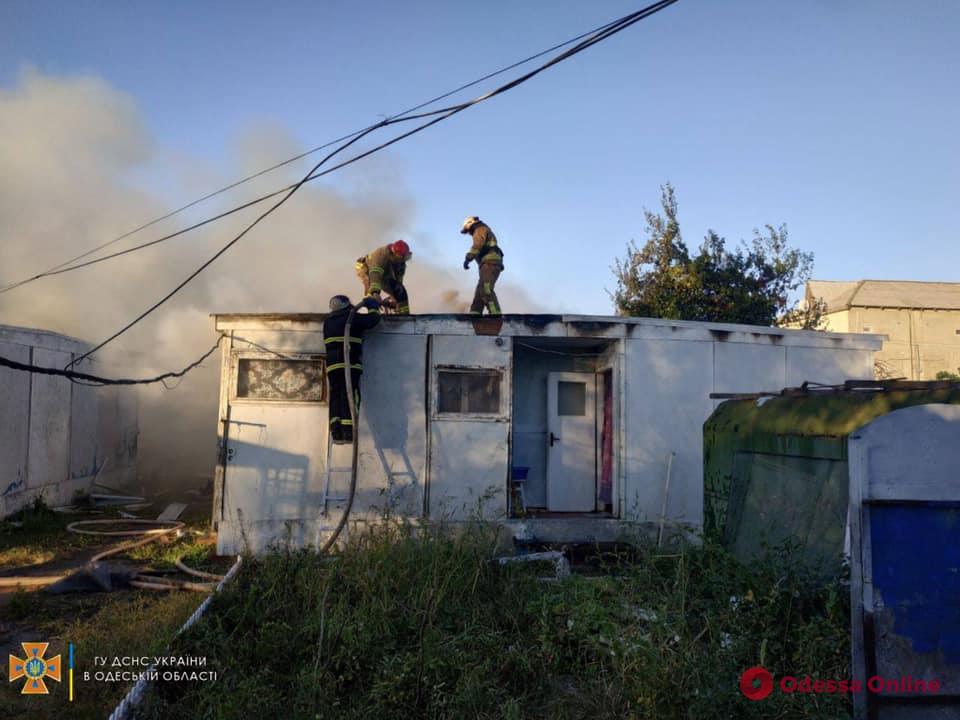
{"points": [[324, 524]]}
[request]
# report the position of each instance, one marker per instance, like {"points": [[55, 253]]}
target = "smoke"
{"points": [[74, 153]]}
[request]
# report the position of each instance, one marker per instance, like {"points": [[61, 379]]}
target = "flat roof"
{"points": [[556, 325], [46, 339]]}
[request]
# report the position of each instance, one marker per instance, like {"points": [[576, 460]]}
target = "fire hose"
{"points": [[138, 580], [348, 376]]}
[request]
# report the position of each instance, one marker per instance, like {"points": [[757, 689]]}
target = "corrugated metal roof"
{"points": [[844, 294]]}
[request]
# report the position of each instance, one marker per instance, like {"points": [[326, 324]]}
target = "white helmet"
{"points": [[469, 223]]}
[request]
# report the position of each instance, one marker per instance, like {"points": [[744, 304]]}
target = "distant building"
{"points": [[920, 319], [56, 437]]}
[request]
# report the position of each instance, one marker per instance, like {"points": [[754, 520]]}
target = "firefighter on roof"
{"points": [[341, 425], [382, 270], [489, 259]]}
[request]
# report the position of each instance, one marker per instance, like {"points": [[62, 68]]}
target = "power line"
{"points": [[96, 380], [439, 115], [63, 267], [58, 269]]}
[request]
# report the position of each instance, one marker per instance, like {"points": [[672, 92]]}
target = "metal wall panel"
{"points": [[667, 399], [905, 559], [828, 367], [393, 431], [468, 454], [86, 453], [49, 457], [743, 367], [14, 428]]}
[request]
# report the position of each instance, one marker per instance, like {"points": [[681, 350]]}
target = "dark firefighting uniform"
{"points": [[489, 259], [341, 425], [382, 271]]}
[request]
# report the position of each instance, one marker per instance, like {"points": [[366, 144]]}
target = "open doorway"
{"points": [[563, 435]]}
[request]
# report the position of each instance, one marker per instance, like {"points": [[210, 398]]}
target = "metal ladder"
{"points": [[326, 498], [328, 472]]}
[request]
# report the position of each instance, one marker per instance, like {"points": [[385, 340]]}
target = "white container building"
{"points": [[602, 415]]}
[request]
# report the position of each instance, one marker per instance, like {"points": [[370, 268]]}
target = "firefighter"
{"points": [[341, 424], [489, 259], [382, 271]]}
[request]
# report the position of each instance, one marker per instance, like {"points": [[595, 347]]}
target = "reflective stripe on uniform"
{"points": [[376, 268], [375, 287], [343, 365], [340, 340]]}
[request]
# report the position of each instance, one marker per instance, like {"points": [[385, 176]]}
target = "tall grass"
{"points": [[420, 623]]}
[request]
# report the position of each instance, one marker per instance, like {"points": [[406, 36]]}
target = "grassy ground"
{"points": [[411, 625], [119, 624], [37, 535]]}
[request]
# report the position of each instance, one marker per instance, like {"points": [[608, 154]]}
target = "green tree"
{"points": [[947, 375], [750, 284]]}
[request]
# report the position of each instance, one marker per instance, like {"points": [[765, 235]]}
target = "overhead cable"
{"points": [[439, 115], [68, 265], [85, 378]]}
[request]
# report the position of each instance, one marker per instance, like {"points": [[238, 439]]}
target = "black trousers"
{"points": [[341, 426]]}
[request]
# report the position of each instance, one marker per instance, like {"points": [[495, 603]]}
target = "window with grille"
{"points": [[281, 379]]}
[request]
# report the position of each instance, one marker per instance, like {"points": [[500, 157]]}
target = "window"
{"points": [[281, 380], [468, 392], [571, 398]]}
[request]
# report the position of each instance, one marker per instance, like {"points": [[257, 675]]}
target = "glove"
{"points": [[466, 264]]}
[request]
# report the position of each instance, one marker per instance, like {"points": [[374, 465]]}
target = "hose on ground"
{"points": [[182, 567], [143, 581]]}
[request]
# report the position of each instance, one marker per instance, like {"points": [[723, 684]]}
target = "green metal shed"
{"points": [[775, 467]]}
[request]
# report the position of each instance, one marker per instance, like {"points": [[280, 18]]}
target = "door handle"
{"points": [[553, 439]]}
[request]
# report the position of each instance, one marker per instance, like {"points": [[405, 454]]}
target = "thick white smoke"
{"points": [[71, 150]]}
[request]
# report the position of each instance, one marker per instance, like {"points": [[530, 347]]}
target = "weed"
{"points": [[36, 534], [420, 623], [132, 625]]}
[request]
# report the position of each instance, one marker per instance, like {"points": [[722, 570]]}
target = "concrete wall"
{"points": [[920, 343], [55, 436]]}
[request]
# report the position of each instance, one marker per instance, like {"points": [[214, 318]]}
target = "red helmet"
{"points": [[400, 248]]}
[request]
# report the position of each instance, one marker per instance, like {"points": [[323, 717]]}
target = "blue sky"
{"points": [[836, 117]]}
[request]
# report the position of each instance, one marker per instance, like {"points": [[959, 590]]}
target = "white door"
{"points": [[276, 445], [571, 442]]}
